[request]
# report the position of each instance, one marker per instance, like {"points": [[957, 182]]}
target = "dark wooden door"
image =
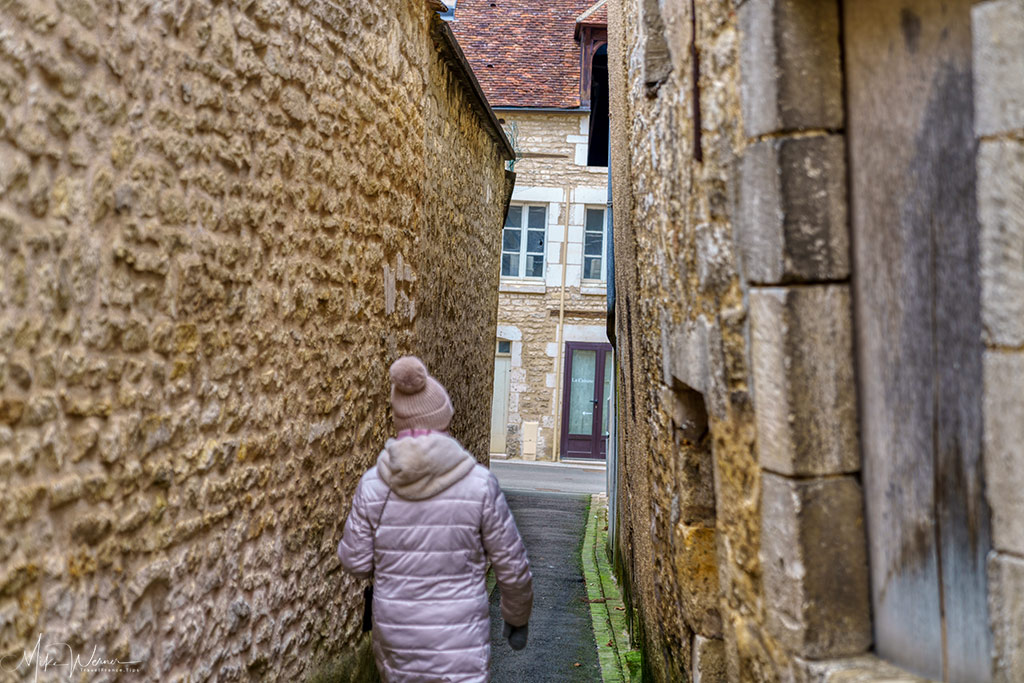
{"points": [[919, 334], [585, 413]]}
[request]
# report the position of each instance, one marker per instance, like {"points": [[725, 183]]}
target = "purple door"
{"points": [[586, 399]]}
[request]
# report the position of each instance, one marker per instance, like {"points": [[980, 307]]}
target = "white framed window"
{"points": [[594, 248], [523, 241]]}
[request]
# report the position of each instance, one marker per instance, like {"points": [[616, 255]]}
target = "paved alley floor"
{"points": [[549, 477], [561, 644]]}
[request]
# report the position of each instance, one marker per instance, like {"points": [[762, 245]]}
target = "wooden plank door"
{"points": [[585, 413], [917, 294]]}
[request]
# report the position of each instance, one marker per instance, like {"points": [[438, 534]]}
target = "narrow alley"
{"points": [[725, 296], [562, 644], [551, 504]]}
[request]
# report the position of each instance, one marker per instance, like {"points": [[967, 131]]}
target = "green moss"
{"points": [[633, 656], [608, 612], [634, 663]]}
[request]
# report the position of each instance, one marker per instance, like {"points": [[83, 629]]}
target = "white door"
{"points": [[499, 402]]}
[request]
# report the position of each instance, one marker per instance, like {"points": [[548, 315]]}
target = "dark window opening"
{"points": [[597, 148]]}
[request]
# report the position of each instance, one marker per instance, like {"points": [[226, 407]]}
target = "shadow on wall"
{"points": [[357, 666]]}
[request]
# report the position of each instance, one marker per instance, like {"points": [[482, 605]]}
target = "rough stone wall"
{"points": [[217, 231], [534, 377], [456, 255], [553, 151], [681, 341]]}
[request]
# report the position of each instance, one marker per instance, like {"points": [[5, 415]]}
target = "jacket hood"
{"points": [[419, 467]]}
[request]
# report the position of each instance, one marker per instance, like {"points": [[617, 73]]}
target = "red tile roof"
{"points": [[523, 51]]}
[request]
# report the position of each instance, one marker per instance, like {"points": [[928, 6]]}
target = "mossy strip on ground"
{"points": [[615, 605], [607, 611]]}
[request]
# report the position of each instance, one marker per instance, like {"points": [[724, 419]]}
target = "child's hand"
{"points": [[516, 635]]}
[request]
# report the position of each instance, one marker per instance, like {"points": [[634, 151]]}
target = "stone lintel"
{"points": [[691, 355]]}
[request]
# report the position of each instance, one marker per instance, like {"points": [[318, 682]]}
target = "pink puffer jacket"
{"points": [[445, 517]]}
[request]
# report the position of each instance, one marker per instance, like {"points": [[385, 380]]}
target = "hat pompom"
{"points": [[409, 375]]}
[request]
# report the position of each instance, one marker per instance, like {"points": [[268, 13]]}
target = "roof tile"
{"points": [[597, 15], [523, 51]]}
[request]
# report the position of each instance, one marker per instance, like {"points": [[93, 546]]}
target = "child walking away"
{"points": [[424, 522]]}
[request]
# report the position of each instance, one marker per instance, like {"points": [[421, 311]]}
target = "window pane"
{"points": [[534, 242], [607, 393], [535, 265], [504, 346], [595, 219], [581, 392], [515, 217], [538, 216], [592, 268], [592, 243], [510, 240], [510, 265]]}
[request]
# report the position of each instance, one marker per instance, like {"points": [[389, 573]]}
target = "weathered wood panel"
{"points": [[915, 240]]}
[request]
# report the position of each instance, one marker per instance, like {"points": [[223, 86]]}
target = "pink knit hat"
{"points": [[418, 401]]}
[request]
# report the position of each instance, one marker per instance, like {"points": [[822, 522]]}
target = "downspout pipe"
{"points": [[559, 374], [610, 249], [612, 462]]}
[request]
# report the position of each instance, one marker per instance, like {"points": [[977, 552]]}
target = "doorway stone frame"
{"points": [[793, 236], [800, 314], [998, 62]]}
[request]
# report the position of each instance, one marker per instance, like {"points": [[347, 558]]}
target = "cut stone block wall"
{"points": [[998, 39], [733, 282], [815, 565], [813, 544], [792, 219], [790, 60], [802, 355], [732, 269], [219, 224]]}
